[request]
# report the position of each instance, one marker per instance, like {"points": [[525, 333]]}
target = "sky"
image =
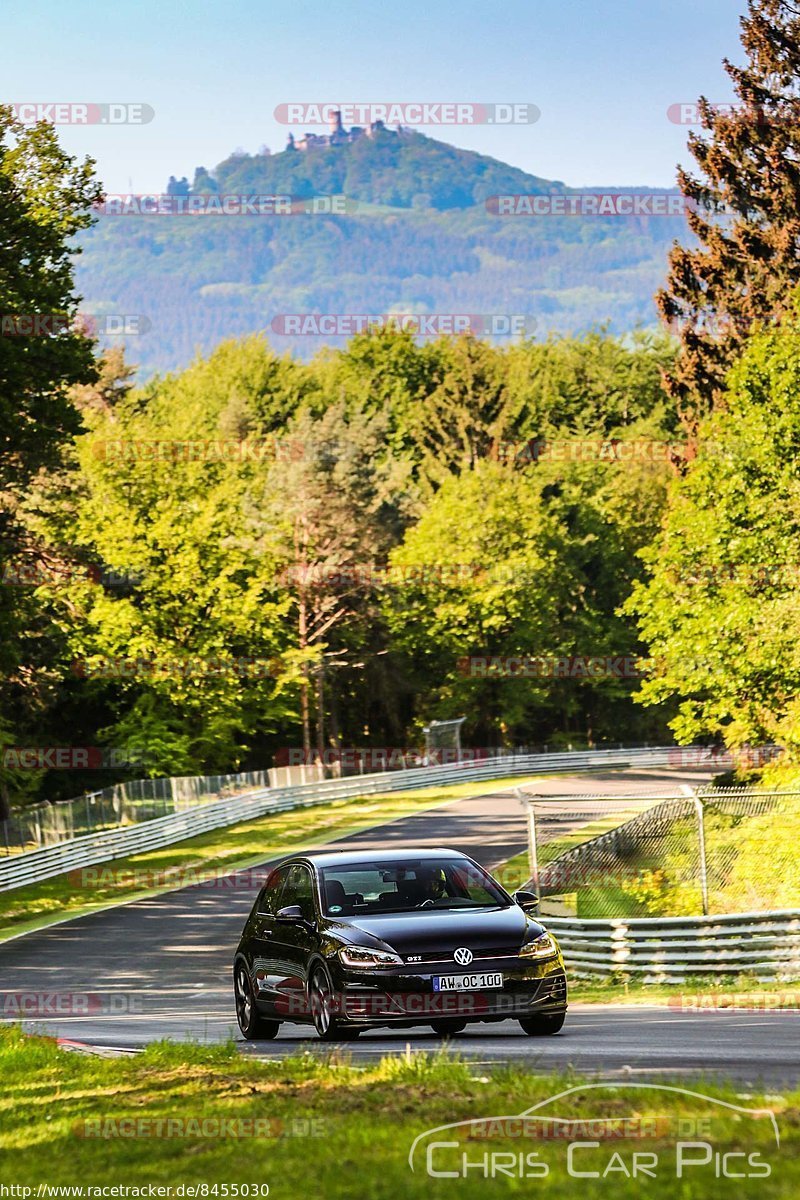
{"points": [[602, 72]]}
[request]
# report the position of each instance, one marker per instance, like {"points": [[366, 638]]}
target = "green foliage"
{"points": [[524, 562], [45, 200], [292, 549], [721, 610]]}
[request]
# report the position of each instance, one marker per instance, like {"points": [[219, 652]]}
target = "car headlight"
{"points": [[544, 946], [360, 956]]}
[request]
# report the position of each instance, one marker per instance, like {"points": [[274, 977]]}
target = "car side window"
{"points": [[299, 890], [270, 900]]}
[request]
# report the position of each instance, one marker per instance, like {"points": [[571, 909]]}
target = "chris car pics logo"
{"points": [[669, 1132]]}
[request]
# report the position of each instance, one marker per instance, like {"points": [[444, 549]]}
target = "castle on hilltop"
{"points": [[338, 136]]}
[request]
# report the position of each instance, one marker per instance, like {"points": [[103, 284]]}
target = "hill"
{"points": [[421, 241], [401, 169]]}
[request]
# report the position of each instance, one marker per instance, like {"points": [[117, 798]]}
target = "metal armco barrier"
{"points": [[766, 945], [91, 849]]}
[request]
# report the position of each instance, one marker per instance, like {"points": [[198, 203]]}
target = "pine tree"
{"points": [[744, 209]]}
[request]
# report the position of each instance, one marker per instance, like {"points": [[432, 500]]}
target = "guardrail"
{"points": [[667, 949], [33, 866], [48, 824]]}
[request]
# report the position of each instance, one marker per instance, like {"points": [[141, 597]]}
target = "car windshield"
{"points": [[350, 889]]}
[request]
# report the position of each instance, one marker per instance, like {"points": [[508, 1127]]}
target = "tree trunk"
{"points": [[321, 712], [304, 705]]}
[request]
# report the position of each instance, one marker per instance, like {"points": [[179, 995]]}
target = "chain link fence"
{"points": [[122, 804], [128, 803], [711, 851]]}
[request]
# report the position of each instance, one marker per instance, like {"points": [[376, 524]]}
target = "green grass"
{"points": [[327, 1128], [697, 991], [241, 845]]}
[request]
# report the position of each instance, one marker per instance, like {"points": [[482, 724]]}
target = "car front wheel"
{"points": [[542, 1025], [323, 1009], [252, 1024]]}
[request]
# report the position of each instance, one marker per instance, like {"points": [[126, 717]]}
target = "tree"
{"points": [[182, 655], [45, 199], [466, 410], [533, 563], [721, 609], [744, 212], [332, 515]]}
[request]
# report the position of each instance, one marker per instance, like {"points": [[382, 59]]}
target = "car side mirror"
{"points": [[526, 900], [293, 913]]}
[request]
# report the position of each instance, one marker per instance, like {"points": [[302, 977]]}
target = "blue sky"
{"points": [[603, 73]]}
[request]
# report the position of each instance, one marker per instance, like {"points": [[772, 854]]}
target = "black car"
{"points": [[349, 941]]}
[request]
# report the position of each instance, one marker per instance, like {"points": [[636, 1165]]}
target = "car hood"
{"points": [[429, 932]]}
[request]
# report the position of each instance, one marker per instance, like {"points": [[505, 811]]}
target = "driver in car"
{"points": [[428, 886]]}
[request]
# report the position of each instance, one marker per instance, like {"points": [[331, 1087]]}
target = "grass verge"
{"points": [[208, 1117], [696, 992], [221, 850]]}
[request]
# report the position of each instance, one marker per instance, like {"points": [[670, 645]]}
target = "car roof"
{"points": [[338, 858]]}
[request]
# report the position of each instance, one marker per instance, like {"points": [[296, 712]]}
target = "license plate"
{"points": [[468, 983]]}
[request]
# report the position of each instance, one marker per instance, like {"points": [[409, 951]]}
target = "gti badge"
{"points": [[463, 956]]}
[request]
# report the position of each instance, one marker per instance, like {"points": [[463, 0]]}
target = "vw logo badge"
{"points": [[463, 956]]}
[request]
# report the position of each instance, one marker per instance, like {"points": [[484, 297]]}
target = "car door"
{"points": [[265, 969], [293, 942]]}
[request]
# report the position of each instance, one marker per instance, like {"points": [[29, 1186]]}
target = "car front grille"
{"points": [[439, 956]]}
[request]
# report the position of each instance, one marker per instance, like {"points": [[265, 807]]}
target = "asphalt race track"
{"points": [[161, 968]]}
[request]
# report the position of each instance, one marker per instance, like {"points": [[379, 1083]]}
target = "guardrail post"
{"points": [[533, 854], [701, 843]]}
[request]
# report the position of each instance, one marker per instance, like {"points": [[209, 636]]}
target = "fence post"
{"points": [[701, 843], [533, 855]]}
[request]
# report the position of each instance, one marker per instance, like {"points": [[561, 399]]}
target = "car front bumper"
{"points": [[408, 997]]}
